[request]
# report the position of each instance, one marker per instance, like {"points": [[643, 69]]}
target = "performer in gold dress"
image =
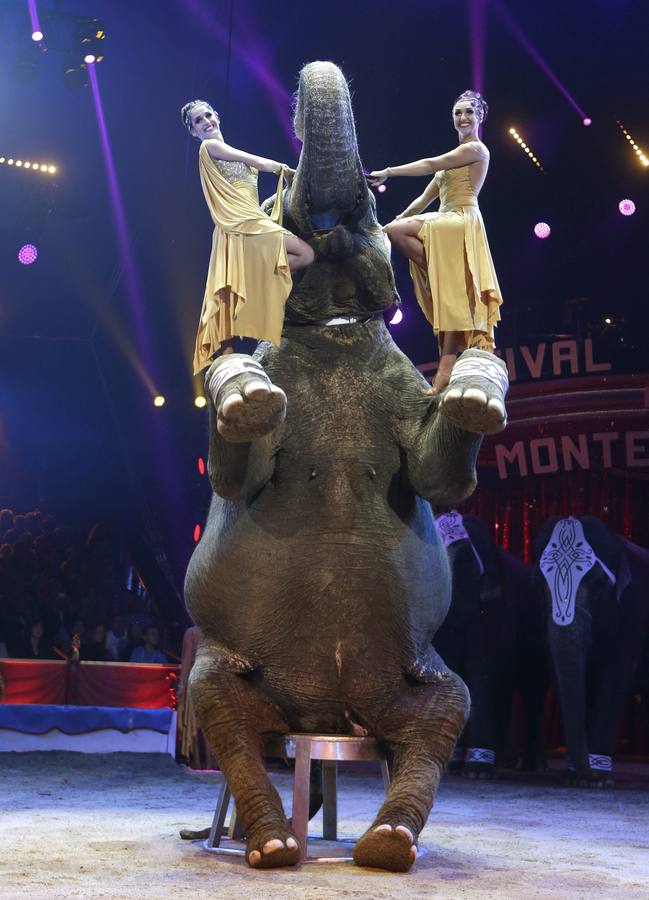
{"points": [[450, 263], [249, 274]]}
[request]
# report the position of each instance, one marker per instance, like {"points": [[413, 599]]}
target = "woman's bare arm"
{"points": [[220, 150], [464, 155]]}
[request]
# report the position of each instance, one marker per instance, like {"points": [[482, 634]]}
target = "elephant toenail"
{"points": [[403, 830], [271, 846], [383, 828], [475, 394], [230, 402], [452, 394], [291, 843], [413, 853], [255, 858]]}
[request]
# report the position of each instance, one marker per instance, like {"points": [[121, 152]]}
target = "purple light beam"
{"points": [[33, 16], [536, 56], [132, 282], [477, 31]]}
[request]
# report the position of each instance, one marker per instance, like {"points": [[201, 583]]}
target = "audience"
{"points": [[53, 584]]}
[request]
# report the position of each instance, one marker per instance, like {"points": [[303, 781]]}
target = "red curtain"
{"points": [[89, 684]]}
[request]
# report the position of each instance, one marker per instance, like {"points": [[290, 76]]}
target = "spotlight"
{"points": [[197, 533], [2, 159], [396, 318], [639, 152], [542, 230], [37, 36], [626, 207], [91, 36], [608, 320], [51, 169], [381, 189], [525, 148], [10, 162], [159, 400], [200, 402], [587, 121], [200, 465], [27, 254], [89, 59], [19, 162]]}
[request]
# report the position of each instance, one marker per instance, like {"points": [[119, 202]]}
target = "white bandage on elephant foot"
{"points": [[475, 397], [248, 405]]}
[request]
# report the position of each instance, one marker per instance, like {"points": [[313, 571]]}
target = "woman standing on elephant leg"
{"points": [[248, 279], [453, 272]]}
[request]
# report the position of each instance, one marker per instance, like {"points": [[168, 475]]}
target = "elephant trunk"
{"points": [[329, 181]]}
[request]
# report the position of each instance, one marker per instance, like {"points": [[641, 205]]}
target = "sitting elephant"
{"points": [[597, 608], [320, 579], [490, 637]]}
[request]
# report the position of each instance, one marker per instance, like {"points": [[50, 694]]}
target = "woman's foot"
{"points": [[443, 374]]}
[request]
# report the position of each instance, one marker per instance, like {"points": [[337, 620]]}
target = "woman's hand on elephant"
{"points": [[289, 174], [377, 177]]}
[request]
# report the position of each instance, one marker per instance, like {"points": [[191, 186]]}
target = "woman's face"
{"points": [[465, 118], [205, 122]]}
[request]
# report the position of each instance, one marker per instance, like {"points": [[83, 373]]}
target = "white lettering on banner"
{"points": [[544, 456], [567, 358]]}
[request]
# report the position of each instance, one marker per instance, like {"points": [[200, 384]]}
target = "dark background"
{"points": [[78, 431]]}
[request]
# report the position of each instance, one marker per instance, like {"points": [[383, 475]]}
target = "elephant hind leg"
{"points": [[421, 727], [235, 715]]}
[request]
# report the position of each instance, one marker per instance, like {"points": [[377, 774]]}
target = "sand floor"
{"points": [[77, 825]]}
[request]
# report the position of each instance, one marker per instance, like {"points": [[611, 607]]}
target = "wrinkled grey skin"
{"points": [[492, 637], [595, 657], [320, 579]]}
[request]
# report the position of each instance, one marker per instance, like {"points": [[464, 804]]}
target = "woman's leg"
{"points": [[451, 343], [300, 254], [403, 237]]}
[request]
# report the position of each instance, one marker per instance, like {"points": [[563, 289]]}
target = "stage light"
{"points": [[200, 402], [626, 207], [639, 152], [10, 162], [197, 533], [19, 162], [159, 400], [27, 254], [542, 230], [396, 318], [37, 36], [382, 189], [200, 464], [2, 159], [89, 59], [608, 321], [587, 121], [525, 148], [51, 169]]}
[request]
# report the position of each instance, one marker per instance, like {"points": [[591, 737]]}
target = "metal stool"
{"points": [[330, 749]]}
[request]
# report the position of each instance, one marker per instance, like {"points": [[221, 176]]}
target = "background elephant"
{"points": [[597, 613], [320, 580], [491, 638]]}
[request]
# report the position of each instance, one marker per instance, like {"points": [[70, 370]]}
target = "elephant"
{"points": [[597, 611], [320, 579], [490, 637]]}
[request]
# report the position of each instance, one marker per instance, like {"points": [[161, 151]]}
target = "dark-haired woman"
{"points": [[450, 262], [249, 275]]}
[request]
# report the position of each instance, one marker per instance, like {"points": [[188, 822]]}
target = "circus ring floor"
{"points": [[79, 825]]}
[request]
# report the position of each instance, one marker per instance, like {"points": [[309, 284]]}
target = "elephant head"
{"points": [[330, 205]]}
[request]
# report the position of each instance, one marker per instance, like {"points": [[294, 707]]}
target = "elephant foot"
{"points": [[266, 852], [386, 847], [248, 405], [475, 397], [592, 779], [479, 771]]}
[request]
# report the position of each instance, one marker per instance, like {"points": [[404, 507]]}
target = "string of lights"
{"points": [[48, 168], [524, 147], [636, 149]]}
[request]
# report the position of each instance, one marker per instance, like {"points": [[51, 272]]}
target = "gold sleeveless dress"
{"points": [[459, 290], [248, 277]]}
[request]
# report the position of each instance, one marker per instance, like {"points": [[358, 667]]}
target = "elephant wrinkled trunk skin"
{"points": [[320, 579]]}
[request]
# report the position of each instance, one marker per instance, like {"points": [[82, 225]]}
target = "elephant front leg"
{"points": [[235, 715], [421, 728]]}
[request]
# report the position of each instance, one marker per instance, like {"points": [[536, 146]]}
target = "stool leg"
{"points": [[301, 794], [234, 831], [220, 813], [329, 800], [385, 772]]}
